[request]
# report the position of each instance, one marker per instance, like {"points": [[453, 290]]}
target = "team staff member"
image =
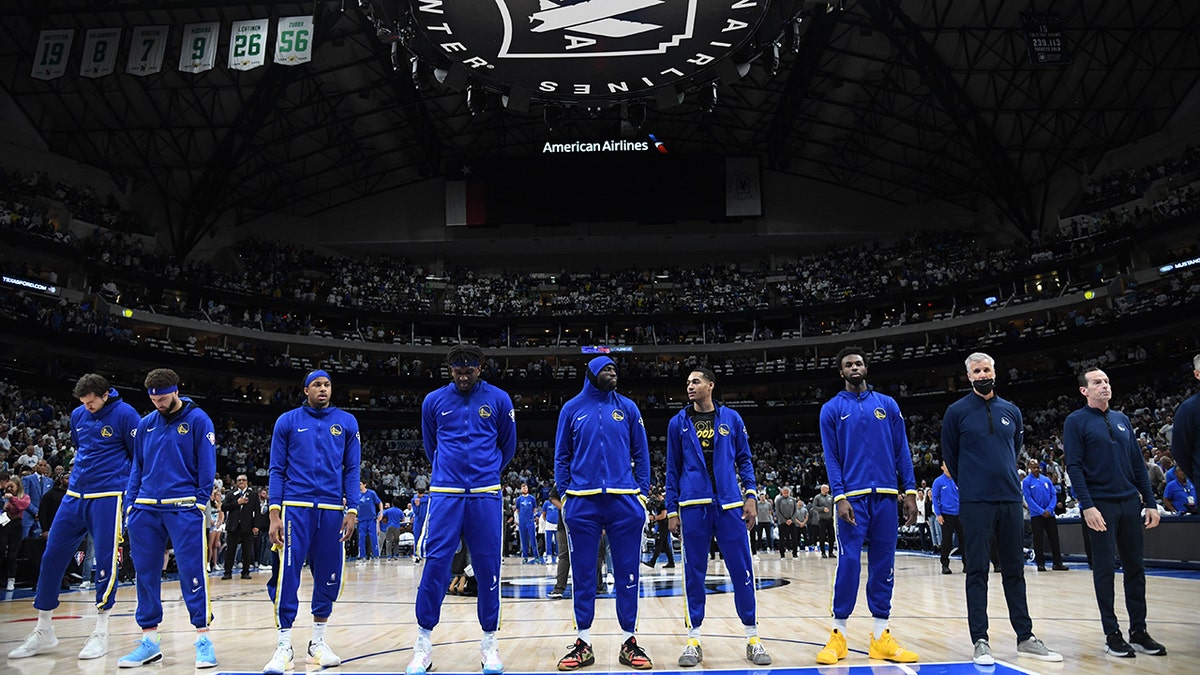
{"points": [[470, 435], [866, 457], [170, 480], [1116, 501], [1041, 498], [369, 508], [103, 429], [945, 507], [982, 435], [710, 492], [525, 507], [315, 455], [602, 469], [1185, 435]]}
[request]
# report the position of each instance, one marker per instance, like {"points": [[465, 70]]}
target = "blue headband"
{"points": [[464, 362], [162, 391], [314, 375]]}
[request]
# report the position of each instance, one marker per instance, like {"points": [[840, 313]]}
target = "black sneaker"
{"points": [[581, 655], [1141, 641], [1117, 646], [634, 656], [946, 569]]}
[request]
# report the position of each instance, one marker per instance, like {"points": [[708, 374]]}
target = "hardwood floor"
{"points": [[372, 627]]}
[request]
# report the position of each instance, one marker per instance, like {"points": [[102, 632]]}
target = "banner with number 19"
{"points": [[293, 40], [54, 47]]}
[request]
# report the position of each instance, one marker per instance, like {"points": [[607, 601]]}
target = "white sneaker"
{"points": [[12, 585], [319, 654], [95, 647], [422, 660], [489, 658], [280, 662], [37, 642], [85, 586]]}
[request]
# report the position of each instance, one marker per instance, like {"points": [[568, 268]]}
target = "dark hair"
{"points": [[1083, 376], [461, 353], [849, 350], [90, 384], [161, 377], [706, 372]]}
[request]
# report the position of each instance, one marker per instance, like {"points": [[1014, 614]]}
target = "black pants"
{"points": [[825, 536], [1124, 536], [1045, 528], [950, 526], [787, 537], [10, 546], [1005, 523], [662, 544], [760, 536], [232, 539]]}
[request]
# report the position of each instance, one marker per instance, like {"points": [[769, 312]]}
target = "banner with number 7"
{"points": [[146, 48], [293, 40]]}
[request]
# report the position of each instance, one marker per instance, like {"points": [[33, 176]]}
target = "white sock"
{"points": [[840, 625], [151, 633], [425, 639], [488, 641], [751, 631], [694, 634], [585, 634], [318, 635], [880, 626], [43, 623], [625, 635], [285, 637], [101, 622]]}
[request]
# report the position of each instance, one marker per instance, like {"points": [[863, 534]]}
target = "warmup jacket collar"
{"points": [[183, 410], [113, 402], [733, 470]]}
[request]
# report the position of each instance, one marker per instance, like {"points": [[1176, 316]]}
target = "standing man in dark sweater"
{"points": [[1185, 436], [981, 437], [1116, 501], [241, 508]]}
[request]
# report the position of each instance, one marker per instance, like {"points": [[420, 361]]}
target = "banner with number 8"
{"points": [[247, 44], [198, 50], [100, 52], [293, 40]]}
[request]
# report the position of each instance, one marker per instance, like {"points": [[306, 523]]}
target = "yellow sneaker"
{"points": [[887, 649], [835, 650]]}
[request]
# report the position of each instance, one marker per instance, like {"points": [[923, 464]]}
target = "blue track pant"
{"points": [[368, 539], [622, 517], [149, 529], [528, 532], [698, 524], [312, 534], [478, 519], [101, 516], [878, 521]]}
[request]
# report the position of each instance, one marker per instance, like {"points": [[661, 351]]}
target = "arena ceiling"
{"points": [[910, 101]]}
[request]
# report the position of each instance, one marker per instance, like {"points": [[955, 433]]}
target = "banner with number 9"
{"points": [[198, 49]]}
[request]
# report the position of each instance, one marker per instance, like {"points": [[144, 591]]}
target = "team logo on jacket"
{"points": [[1004, 421], [133, 432], [485, 411], [183, 428], [880, 414], [618, 415], [335, 429], [106, 432], [723, 430], [1120, 426]]}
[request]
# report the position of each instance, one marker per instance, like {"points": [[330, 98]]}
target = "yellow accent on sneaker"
{"points": [[887, 649], [835, 650]]}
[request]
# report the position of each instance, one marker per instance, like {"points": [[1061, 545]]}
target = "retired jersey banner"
{"points": [[248, 44], [293, 40], [100, 52], [146, 50], [54, 47], [198, 50]]}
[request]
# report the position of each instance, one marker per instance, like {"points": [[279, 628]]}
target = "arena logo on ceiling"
{"points": [[581, 49]]}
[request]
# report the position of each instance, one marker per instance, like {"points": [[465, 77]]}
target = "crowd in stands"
{"points": [[1127, 184]]}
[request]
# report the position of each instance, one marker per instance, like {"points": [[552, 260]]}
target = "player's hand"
{"points": [[349, 522], [1152, 517], [750, 512], [941, 520], [1094, 520], [910, 509], [673, 525], [275, 533], [846, 512]]}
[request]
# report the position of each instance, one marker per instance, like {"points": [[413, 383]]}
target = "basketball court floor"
{"points": [[372, 627]]}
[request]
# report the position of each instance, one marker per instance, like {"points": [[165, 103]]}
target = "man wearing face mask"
{"points": [[982, 435]]}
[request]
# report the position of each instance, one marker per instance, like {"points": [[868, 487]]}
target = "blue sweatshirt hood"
{"points": [[593, 370]]}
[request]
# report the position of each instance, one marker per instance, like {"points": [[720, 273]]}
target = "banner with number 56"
{"points": [[293, 40], [198, 50], [248, 44]]}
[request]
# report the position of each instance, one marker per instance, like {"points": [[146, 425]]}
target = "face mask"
{"points": [[984, 387]]}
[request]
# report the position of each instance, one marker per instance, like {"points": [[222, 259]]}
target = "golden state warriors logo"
{"points": [[183, 428], [485, 411], [723, 430], [618, 415], [880, 414], [335, 429], [106, 432]]}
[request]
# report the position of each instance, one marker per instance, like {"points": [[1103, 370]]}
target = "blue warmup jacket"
{"points": [[1039, 495], [944, 496], [1185, 435], [462, 432], [599, 434], [105, 442], [526, 508], [980, 441], [866, 445], [550, 511], [687, 474], [420, 506], [392, 517], [369, 504], [174, 459], [309, 447], [1103, 459]]}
